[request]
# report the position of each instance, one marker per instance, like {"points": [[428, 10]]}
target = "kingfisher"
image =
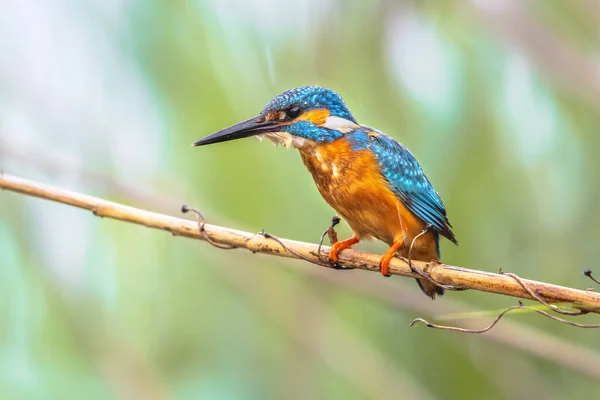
{"points": [[371, 180]]}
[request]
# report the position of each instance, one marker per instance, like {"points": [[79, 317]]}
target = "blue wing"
{"points": [[408, 182]]}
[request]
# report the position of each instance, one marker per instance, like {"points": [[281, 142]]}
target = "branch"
{"points": [[504, 284]]}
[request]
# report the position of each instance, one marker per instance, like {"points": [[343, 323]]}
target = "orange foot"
{"points": [[384, 263], [339, 246]]}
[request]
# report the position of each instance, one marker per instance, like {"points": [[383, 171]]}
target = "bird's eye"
{"points": [[293, 112]]}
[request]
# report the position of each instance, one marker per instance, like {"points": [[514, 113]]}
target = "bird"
{"points": [[370, 179]]}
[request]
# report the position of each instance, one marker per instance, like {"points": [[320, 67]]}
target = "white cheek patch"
{"points": [[339, 124]]}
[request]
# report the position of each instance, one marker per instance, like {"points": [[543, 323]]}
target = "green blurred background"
{"points": [[499, 100]]}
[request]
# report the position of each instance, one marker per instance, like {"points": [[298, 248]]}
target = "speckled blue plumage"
{"points": [[398, 166], [308, 130], [310, 98], [406, 178]]}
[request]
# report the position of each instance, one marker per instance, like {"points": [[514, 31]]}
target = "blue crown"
{"points": [[310, 98]]}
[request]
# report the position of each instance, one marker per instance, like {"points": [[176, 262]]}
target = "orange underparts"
{"points": [[384, 263], [339, 246]]}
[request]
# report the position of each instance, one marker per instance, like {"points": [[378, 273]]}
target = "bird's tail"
{"points": [[429, 288]]}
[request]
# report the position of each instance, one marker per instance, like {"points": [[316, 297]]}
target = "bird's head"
{"points": [[296, 118]]}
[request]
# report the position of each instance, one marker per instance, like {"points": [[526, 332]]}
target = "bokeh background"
{"points": [[499, 100]]}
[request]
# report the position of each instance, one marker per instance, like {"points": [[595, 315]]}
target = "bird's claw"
{"points": [[333, 261], [385, 270], [333, 258], [339, 267]]}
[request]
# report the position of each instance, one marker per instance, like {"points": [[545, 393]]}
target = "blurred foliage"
{"points": [[498, 100]]}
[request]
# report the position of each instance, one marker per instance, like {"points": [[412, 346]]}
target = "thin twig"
{"points": [[293, 251], [444, 274], [464, 330], [533, 294], [521, 306], [201, 222], [330, 231], [514, 335], [564, 321]]}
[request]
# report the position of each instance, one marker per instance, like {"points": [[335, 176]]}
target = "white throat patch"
{"points": [[283, 138]]}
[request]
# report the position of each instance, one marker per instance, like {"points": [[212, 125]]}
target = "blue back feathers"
{"points": [[406, 178], [398, 166]]}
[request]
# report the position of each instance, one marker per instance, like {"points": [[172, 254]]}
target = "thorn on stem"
{"points": [[588, 272], [330, 232]]}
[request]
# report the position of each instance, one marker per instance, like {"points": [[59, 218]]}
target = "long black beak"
{"points": [[250, 127]]}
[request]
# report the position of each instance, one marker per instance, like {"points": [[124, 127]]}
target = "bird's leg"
{"points": [[384, 263], [339, 246]]}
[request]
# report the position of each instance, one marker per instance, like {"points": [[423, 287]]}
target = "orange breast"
{"points": [[350, 181]]}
